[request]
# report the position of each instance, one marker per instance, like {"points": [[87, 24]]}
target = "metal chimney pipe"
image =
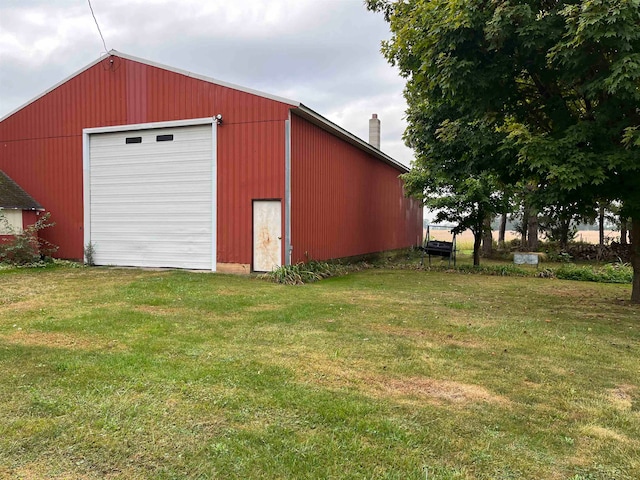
{"points": [[374, 131]]}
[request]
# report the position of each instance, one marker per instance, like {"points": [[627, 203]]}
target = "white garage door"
{"points": [[151, 197]]}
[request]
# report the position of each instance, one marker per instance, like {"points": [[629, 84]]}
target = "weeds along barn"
{"points": [[159, 167]]}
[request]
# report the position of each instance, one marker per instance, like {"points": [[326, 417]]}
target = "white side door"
{"points": [[267, 235]]}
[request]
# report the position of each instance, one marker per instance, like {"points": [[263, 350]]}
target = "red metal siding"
{"points": [[250, 166], [345, 202], [41, 145], [29, 217]]}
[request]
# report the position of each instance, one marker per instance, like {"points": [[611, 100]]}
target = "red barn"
{"points": [[155, 166]]}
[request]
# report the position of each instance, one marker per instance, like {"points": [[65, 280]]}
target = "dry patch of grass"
{"points": [[74, 341], [39, 472], [439, 391], [359, 375], [157, 310], [24, 296], [622, 396], [263, 308], [605, 434]]}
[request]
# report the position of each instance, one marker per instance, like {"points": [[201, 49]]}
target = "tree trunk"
{"points": [[635, 259], [503, 229], [477, 241], [600, 229], [623, 231], [564, 233], [525, 223], [532, 231], [487, 238], [601, 225]]}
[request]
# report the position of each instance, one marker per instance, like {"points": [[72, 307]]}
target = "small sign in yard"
{"points": [[525, 258]]}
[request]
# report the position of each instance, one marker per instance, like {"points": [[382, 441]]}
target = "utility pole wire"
{"points": [[99, 31]]}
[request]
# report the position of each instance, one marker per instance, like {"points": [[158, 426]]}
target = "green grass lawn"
{"points": [[113, 373]]}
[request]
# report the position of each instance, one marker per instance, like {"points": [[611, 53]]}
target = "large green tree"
{"points": [[559, 80], [456, 176]]}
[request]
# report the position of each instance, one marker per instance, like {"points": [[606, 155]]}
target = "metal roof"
{"points": [[12, 196], [297, 107]]}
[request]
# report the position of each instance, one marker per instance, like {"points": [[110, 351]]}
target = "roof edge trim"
{"points": [[52, 88], [326, 124], [204, 78], [156, 65]]}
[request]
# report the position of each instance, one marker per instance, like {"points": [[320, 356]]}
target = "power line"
{"points": [[99, 31]]}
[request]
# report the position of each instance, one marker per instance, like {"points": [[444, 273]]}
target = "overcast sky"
{"points": [[324, 53]]}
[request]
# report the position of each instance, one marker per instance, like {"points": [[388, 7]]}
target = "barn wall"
{"points": [[29, 217], [250, 166], [42, 143], [345, 202]]}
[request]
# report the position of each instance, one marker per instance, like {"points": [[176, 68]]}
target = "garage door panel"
{"points": [[139, 200], [125, 230], [161, 168], [117, 192], [126, 163], [179, 179], [151, 202], [157, 212]]}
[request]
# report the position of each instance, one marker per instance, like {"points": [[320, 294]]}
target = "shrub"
{"points": [[89, 253], [610, 273], [495, 270], [302, 273], [26, 247], [561, 257]]}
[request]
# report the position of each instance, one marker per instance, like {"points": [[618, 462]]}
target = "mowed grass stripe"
{"points": [[115, 373]]}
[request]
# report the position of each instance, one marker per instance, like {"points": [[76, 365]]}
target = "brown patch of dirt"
{"points": [[332, 373], [621, 397], [57, 340], [440, 390]]}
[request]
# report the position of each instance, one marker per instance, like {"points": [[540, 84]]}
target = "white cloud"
{"points": [[323, 53]]}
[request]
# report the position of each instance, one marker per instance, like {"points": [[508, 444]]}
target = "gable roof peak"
{"points": [[186, 73]]}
